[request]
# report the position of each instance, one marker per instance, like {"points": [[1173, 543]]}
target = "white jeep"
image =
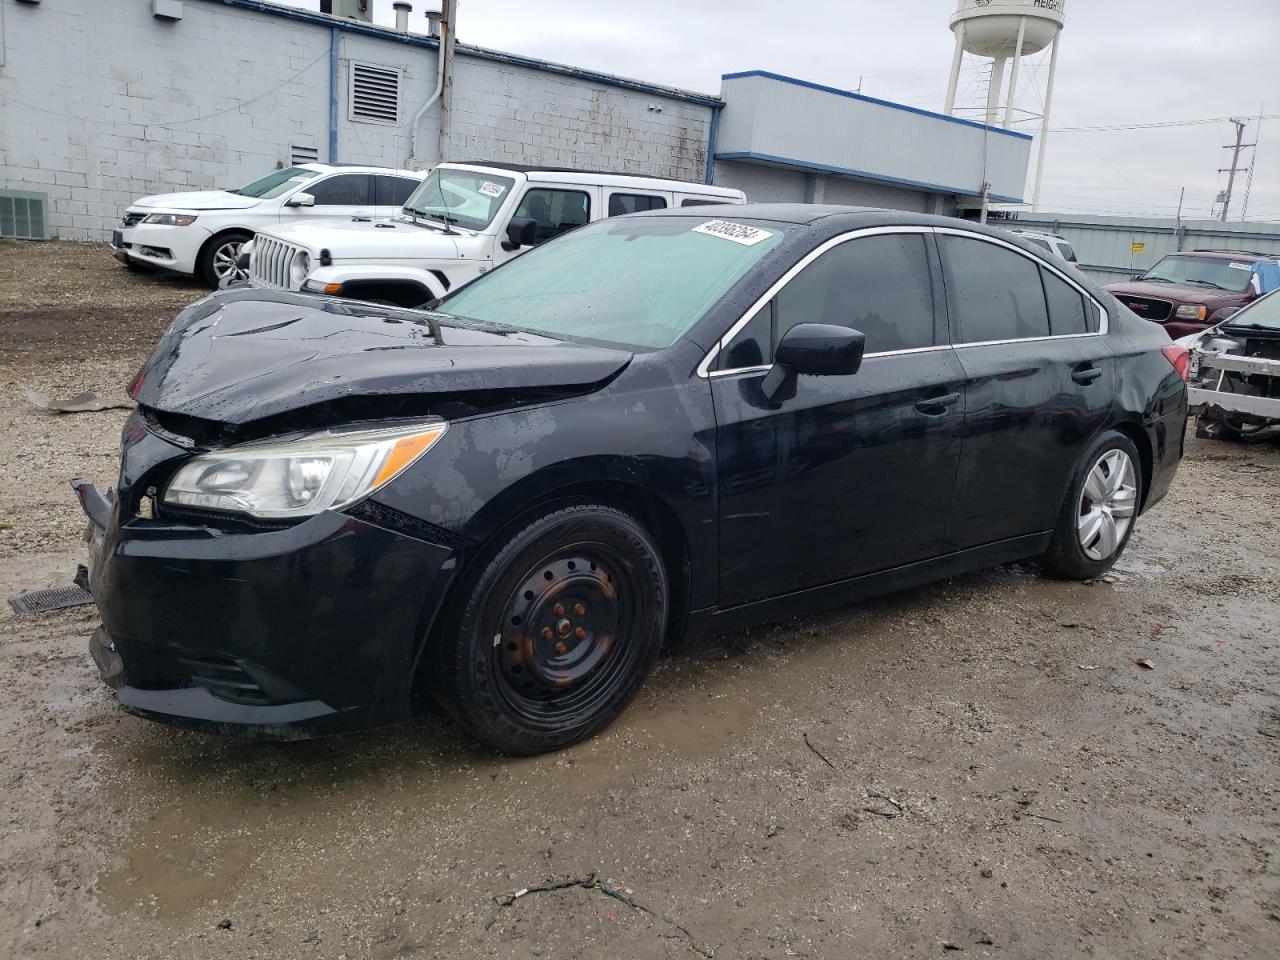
{"points": [[465, 219]]}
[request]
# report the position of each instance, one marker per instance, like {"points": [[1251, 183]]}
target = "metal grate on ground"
{"points": [[46, 601]]}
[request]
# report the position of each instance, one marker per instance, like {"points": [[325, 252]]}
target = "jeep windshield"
{"points": [[639, 282], [1233, 275], [463, 197], [274, 184]]}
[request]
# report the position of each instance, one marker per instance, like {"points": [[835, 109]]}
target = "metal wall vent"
{"points": [[299, 155], [374, 93], [24, 215]]}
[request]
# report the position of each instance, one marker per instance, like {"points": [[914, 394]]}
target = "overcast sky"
{"points": [[1122, 62]]}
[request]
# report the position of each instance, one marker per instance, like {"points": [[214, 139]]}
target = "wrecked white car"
{"points": [[1234, 374]]}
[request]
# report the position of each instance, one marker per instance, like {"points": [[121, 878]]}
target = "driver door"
{"points": [[553, 209], [853, 474], [339, 196]]}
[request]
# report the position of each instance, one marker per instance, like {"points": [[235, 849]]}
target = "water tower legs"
{"points": [[955, 71], [1013, 81], [1044, 126], [993, 93]]}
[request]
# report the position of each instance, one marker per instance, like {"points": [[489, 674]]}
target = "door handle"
{"points": [[934, 406], [1086, 373]]}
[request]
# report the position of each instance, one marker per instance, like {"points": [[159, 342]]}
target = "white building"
{"points": [[106, 101]]}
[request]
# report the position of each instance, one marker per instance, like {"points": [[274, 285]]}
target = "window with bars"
{"points": [[23, 215], [374, 93]]}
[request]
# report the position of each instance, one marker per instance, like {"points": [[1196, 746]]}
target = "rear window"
{"points": [[620, 203], [997, 293]]}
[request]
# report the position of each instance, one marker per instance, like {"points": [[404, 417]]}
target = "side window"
{"points": [[555, 211], [879, 285], [620, 203], [1068, 254], [753, 346], [697, 202], [997, 293], [1066, 306], [1037, 242], [344, 190], [392, 191]]}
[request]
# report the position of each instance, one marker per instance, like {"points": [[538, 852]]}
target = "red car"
{"points": [[1186, 292]]}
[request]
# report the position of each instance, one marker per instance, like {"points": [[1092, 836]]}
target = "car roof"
{"points": [[610, 178], [1225, 254], [361, 168], [831, 218], [1039, 233]]}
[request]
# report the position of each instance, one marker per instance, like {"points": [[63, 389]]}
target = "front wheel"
{"points": [[217, 261], [1097, 517], [555, 632]]}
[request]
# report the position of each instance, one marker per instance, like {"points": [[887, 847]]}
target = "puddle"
{"points": [[1131, 567]]}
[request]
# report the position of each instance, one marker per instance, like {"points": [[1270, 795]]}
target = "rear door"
{"points": [[390, 193], [852, 474], [341, 195], [1039, 384], [623, 201]]}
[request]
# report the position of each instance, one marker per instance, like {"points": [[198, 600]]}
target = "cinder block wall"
{"points": [[104, 103]]}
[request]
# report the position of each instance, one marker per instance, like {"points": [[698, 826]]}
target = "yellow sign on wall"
{"points": [[1137, 247]]}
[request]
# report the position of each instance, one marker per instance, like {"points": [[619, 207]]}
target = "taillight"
{"points": [[135, 387], [1180, 357]]}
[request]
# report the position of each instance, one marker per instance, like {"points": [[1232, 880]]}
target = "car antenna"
{"points": [[449, 231]]}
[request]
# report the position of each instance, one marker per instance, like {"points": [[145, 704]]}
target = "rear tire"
{"points": [[1098, 514], [218, 257], [553, 634]]}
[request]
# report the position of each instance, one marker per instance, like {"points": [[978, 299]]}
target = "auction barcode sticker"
{"points": [[491, 189], [737, 232]]}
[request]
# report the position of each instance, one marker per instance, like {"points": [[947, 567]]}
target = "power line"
{"points": [[1159, 125]]}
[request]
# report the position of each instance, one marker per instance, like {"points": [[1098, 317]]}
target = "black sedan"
{"points": [[668, 424]]}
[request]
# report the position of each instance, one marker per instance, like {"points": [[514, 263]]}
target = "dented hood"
{"points": [[244, 355]]}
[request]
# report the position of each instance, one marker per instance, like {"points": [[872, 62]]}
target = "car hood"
{"points": [[198, 200], [1176, 292], [246, 355], [360, 238]]}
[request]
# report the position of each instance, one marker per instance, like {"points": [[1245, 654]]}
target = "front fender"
{"points": [[366, 275]]}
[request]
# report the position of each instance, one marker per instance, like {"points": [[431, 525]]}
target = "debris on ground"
{"points": [[86, 402], [35, 602], [1146, 664]]}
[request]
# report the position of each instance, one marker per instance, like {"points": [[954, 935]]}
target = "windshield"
{"points": [[274, 184], [468, 199], [1233, 275], [1264, 313], [639, 282]]}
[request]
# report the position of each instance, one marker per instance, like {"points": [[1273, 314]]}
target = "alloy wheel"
{"points": [[1107, 505], [224, 261]]}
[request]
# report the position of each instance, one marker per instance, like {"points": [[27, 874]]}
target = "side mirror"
{"points": [[521, 232], [301, 200], [816, 349]]}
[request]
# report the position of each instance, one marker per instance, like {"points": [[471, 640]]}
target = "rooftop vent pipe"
{"points": [[402, 10]]}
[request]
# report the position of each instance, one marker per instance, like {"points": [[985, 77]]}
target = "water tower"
{"points": [[1004, 30]]}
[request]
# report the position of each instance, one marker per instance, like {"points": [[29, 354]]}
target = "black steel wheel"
{"points": [[556, 631]]}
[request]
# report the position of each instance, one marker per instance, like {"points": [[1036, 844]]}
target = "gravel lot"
{"points": [[979, 768]]}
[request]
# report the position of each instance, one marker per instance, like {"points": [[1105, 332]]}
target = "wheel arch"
{"points": [[213, 238], [403, 292], [1137, 434], [520, 503]]}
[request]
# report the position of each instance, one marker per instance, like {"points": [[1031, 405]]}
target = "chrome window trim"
{"points": [[1104, 318]]}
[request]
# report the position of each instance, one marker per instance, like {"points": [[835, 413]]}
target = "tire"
{"points": [[553, 634], [211, 265], [1098, 515]]}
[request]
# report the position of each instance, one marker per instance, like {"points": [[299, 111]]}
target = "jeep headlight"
{"points": [[1191, 311], [299, 267], [170, 219], [302, 475]]}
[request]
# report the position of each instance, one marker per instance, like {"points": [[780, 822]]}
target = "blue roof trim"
{"points": [[482, 53], [862, 175], [881, 103]]}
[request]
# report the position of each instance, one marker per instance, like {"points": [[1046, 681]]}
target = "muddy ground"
{"points": [[979, 768]]}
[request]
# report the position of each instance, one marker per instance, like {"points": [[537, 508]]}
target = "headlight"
{"points": [[303, 475], [1191, 311], [171, 219], [299, 267]]}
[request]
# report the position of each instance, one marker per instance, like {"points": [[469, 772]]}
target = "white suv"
{"points": [[1055, 244], [202, 233], [465, 219]]}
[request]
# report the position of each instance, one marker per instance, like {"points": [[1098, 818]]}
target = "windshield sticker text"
{"points": [[1239, 266], [737, 232], [491, 189]]}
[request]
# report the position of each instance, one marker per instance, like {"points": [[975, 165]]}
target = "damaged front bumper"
{"points": [[1209, 393], [286, 633]]}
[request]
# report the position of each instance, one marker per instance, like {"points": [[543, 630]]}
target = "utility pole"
{"points": [[448, 33], [1235, 167]]}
